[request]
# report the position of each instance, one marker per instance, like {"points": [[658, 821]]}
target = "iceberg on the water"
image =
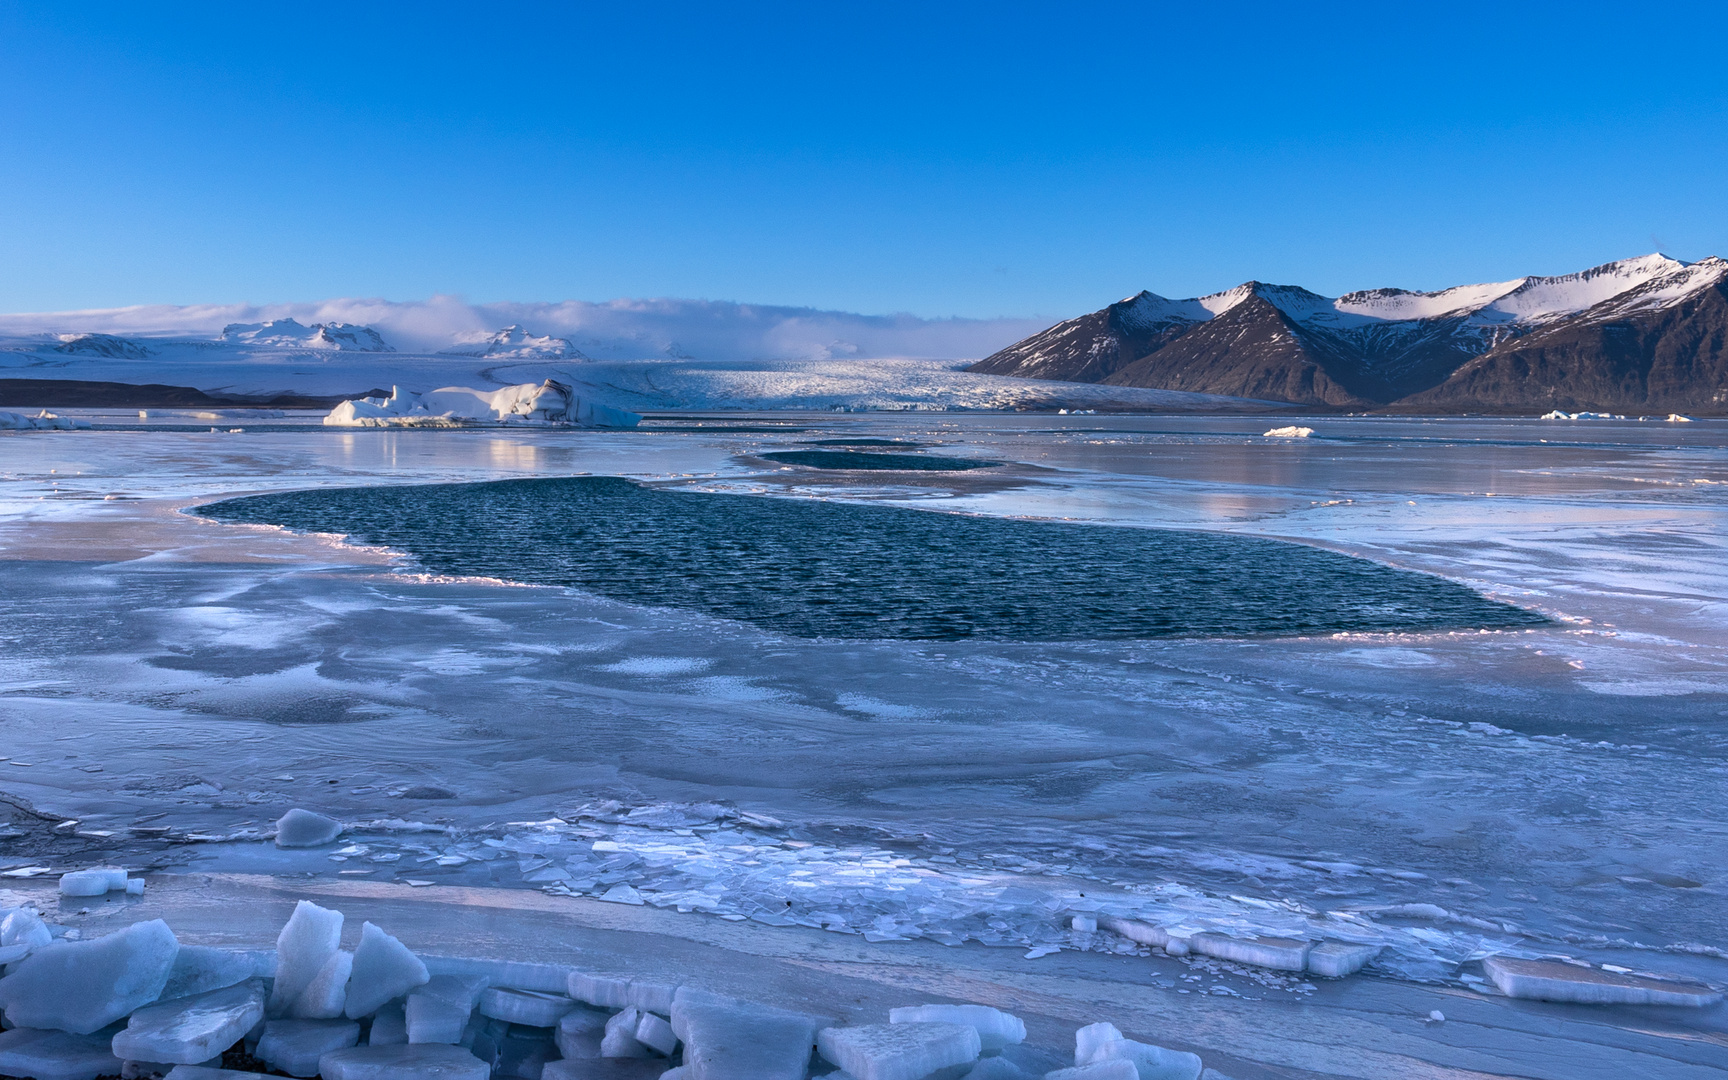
{"points": [[1291, 432], [42, 421], [549, 402], [1561, 414]]}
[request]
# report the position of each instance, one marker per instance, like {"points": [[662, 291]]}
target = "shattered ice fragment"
{"points": [[294, 1046], [389, 1025], [384, 968], [908, 1051], [1088, 1039], [996, 1028], [55, 1055], [83, 986], [727, 1039], [1150, 1062], [649, 996], [526, 1007], [612, 1069], [93, 882], [327, 993], [1084, 924], [425, 1061], [581, 1032], [438, 1011], [307, 942], [192, 1030], [1280, 954], [303, 829], [199, 969], [606, 991], [201, 1072], [620, 1038], [656, 1034]]}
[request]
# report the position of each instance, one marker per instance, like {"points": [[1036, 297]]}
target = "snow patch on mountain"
{"points": [[289, 334], [515, 343], [114, 348]]}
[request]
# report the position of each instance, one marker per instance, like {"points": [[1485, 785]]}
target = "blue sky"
{"points": [[940, 159]]}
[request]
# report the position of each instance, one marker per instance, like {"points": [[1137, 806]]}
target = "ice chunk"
{"points": [[581, 1032], [83, 986], [294, 1046], [1150, 1062], [389, 1026], [93, 882], [620, 1038], [606, 991], [438, 1012], [996, 1028], [307, 942], [326, 994], [199, 969], [55, 1055], [425, 1061], [656, 1034], [1103, 1070], [905, 1051], [726, 1039], [1552, 980], [1290, 431], [1088, 1039], [383, 969], [303, 828], [135, 887], [612, 1069], [192, 1030], [1083, 924], [1280, 954], [1135, 930], [1335, 959], [526, 1007], [996, 1068], [202, 1072], [22, 931]]}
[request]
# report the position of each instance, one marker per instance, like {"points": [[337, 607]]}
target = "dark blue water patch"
{"points": [[823, 569], [868, 462], [871, 444]]}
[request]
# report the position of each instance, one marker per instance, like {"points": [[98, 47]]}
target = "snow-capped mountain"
{"points": [[1284, 343], [289, 334], [513, 343]]}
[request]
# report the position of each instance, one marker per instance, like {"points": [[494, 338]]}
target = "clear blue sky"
{"points": [[988, 159]]}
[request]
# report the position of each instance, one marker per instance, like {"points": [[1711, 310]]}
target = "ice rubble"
{"points": [[550, 402], [42, 421]]}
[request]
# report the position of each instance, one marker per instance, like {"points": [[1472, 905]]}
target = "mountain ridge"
{"points": [[1636, 333]]}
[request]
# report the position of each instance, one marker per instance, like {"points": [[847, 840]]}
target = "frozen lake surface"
{"points": [[1542, 789]]}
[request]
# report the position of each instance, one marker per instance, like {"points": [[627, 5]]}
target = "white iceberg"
{"points": [[1289, 432], [42, 421], [550, 402]]}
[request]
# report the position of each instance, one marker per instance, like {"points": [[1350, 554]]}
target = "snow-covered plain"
{"points": [[1445, 795]]}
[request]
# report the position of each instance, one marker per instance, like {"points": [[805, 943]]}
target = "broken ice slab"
{"points": [[1552, 980], [55, 1055], [389, 1026], [1335, 959], [308, 940], [528, 1007], [1088, 1039], [546, 978], [620, 1038], [199, 969], [427, 1061], [294, 1046], [1103, 1070], [325, 995], [438, 1012], [908, 1051], [727, 1039], [1279, 954], [996, 1028], [606, 991], [21, 926], [1150, 1062], [384, 969], [303, 829], [93, 882], [581, 1032], [651, 996], [607, 1069], [83, 986], [191, 1030], [656, 1034]]}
